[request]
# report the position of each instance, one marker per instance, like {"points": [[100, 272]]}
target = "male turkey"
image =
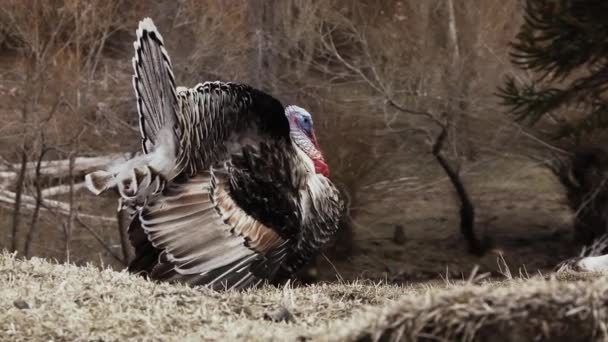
{"points": [[232, 190]]}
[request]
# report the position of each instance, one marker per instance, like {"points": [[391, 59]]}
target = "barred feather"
{"points": [[154, 84]]}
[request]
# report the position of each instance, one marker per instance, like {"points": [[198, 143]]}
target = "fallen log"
{"points": [[60, 190], [61, 168], [58, 207]]}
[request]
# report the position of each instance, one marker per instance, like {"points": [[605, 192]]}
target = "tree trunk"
{"points": [[467, 210], [123, 218], [38, 202], [17, 203]]}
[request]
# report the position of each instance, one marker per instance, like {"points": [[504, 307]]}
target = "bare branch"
{"points": [[413, 112], [99, 239], [69, 225]]}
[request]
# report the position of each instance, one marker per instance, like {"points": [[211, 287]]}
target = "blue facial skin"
{"points": [[305, 123]]}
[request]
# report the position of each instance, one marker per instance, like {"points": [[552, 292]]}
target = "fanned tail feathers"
{"points": [[155, 91], [154, 84]]}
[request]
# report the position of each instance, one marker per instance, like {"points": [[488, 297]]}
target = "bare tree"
{"points": [[345, 54], [43, 33]]}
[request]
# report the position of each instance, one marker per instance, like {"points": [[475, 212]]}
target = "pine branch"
{"points": [[526, 102], [559, 36], [563, 43]]}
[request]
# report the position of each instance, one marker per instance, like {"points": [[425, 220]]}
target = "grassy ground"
{"points": [[46, 301]]}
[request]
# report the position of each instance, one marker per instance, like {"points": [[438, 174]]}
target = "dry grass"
{"points": [[569, 308], [46, 301], [68, 302]]}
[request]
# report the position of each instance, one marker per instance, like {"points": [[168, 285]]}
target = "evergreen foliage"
{"points": [[563, 44]]}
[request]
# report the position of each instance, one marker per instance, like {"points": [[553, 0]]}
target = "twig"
{"points": [[99, 239], [69, 226], [402, 108], [340, 278]]}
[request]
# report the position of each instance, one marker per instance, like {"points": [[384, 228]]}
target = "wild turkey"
{"points": [[231, 191]]}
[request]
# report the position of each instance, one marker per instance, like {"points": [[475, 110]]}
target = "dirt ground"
{"points": [[521, 214]]}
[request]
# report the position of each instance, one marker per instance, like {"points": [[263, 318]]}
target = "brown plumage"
{"points": [[231, 191]]}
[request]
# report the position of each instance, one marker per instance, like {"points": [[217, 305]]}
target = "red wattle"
{"points": [[321, 167]]}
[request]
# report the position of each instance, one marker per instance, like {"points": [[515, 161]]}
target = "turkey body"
{"points": [[227, 193]]}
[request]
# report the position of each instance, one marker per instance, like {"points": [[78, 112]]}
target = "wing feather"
{"points": [[206, 239]]}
